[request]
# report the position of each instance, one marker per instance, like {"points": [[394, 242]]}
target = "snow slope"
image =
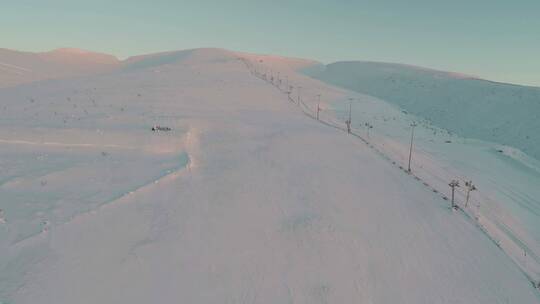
{"points": [[506, 204], [23, 67], [246, 200], [474, 108]]}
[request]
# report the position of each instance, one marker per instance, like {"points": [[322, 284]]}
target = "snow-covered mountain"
{"points": [[245, 199], [22, 67], [475, 108]]}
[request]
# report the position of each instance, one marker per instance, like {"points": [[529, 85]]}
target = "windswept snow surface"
{"points": [[246, 200]]}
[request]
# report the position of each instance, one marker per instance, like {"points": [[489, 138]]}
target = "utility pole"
{"points": [[470, 187], [413, 125], [318, 106], [454, 184], [299, 87]]}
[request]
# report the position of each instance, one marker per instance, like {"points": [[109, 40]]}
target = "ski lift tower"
{"points": [[413, 125], [368, 126], [289, 92], [454, 184], [349, 121], [318, 105], [470, 187]]}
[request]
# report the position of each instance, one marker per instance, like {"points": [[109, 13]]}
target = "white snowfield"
{"points": [[245, 200]]}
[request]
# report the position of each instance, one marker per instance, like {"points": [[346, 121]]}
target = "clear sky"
{"points": [[493, 39]]}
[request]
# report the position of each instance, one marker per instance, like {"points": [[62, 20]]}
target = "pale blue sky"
{"points": [[494, 39]]}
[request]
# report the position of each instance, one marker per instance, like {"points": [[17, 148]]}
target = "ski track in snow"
{"points": [[15, 67], [169, 175], [191, 143], [35, 143]]}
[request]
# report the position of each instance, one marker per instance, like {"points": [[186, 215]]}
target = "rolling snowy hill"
{"points": [[22, 67], [245, 200], [474, 108]]}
